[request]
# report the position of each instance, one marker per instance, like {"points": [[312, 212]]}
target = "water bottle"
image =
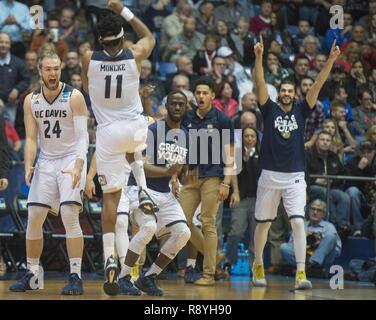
{"points": [[244, 264], [241, 267], [236, 268]]}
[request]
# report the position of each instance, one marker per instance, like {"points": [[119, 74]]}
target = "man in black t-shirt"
{"points": [[282, 162]]}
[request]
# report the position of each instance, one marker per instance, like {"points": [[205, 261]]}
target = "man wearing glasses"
{"points": [[323, 242]]}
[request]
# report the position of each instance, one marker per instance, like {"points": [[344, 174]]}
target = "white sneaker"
{"points": [[301, 281]]}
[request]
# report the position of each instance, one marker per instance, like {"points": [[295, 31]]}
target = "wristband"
{"points": [[127, 14]]}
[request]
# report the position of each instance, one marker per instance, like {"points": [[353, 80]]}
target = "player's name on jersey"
{"points": [[116, 67], [50, 113]]}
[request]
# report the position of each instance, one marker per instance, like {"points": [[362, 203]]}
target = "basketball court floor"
{"points": [[235, 288]]}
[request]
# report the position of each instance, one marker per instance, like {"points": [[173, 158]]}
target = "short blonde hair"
{"points": [[47, 54]]}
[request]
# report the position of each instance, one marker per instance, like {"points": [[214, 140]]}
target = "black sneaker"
{"points": [[111, 285], [190, 275], [146, 204], [27, 282], [149, 285], [127, 287], [74, 286]]}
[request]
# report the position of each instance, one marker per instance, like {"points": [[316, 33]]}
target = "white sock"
{"points": [[75, 266], [122, 265], [154, 269], [300, 242], [33, 265], [260, 238], [121, 235], [137, 167], [108, 245], [191, 262]]}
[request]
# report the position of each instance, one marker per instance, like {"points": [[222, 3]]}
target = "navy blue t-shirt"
{"points": [[165, 147], [208, 135], [282, 146]]}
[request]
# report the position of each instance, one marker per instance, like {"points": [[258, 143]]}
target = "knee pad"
{"points": [[122, 221], [70, 217], [36, 217], [179, 236], [121, 235], [143, 236]]}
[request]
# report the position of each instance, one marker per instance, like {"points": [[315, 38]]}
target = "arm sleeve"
{"points": [[81, 135]]}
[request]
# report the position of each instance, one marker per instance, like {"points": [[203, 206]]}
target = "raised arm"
{"points": [[314, 91], [261, 90], [143, 48], [85, 67]]}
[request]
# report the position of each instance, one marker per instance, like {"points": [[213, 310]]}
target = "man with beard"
{"points": [[282, 162], [168, 151], [56, 116]]}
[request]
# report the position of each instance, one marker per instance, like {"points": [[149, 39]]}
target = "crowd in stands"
{"points": [[216, 38]]}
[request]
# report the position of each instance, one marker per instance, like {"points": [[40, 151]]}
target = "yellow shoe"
{"points": [[258, 275], [135, 273], [205, 281], [301, 281]]}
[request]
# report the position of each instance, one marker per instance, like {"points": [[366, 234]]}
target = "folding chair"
{"points": [[90, 241], [57, 256], [9, 233], [20, 212], [93, 210]]}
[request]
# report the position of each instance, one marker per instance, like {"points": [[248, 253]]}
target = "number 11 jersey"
{"points": [[114, 87], [55, 123]]}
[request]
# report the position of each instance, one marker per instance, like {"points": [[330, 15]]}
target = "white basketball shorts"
{"points": [[272, 186], [51, 188], [112, 143], [170, 211]]}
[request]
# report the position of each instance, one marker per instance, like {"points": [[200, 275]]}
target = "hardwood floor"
{"points": [[236, 288]]}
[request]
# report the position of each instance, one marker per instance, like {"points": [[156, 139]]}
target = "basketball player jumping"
{"points": [[283, 163], [111, 77]]}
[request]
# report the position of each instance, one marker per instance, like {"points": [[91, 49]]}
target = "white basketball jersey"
{"points": [[113, 87], [55, 123]]}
